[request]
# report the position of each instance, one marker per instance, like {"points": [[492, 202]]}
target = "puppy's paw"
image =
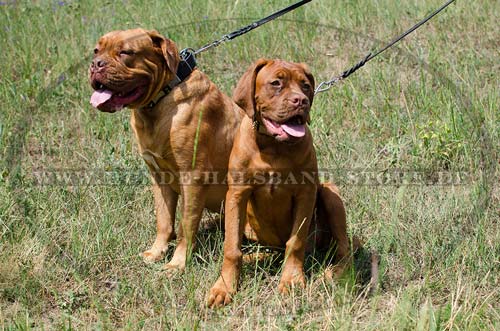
{"points": [[219, 295], [154, 254], [257, 257], [335, 272], [290, 280], [171, 269]]}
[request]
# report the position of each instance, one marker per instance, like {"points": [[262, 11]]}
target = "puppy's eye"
{"points": [[306, 86], [96, 50], [276, 83], [126, 52]]}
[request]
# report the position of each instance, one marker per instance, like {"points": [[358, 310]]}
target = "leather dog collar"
{"points": [[185, 68], [259, 127]]}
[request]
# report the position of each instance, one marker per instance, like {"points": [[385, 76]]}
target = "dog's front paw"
{"points": [[178, 262], [154, 254], [290, 280], [219, 295]]}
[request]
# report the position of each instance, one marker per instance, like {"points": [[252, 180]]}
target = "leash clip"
{"points": [[188, 55]]}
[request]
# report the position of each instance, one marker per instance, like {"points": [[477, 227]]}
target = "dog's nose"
{"points": [[299, 100], [98, 63]]}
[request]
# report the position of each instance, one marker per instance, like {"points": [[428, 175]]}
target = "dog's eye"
{"points": [[96, 50], [306, 86], [276, 83], [126, 52]]}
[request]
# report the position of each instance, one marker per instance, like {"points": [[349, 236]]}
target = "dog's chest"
{"points": [[273, 201], [154, 145], [156, 152], [272, 214], [272, 192]]}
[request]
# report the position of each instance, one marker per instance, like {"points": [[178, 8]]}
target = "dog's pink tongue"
{"points": [[99, 97], [295, 130]]}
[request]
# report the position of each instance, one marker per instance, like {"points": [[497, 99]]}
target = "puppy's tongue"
{"points": [[295, 130], [99, 97]]}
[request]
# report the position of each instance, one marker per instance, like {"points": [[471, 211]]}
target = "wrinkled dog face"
{"points": [[130, 67], [283, 95], [280, 95]]}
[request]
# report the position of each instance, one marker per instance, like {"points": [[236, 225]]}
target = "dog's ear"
{"points": [[309, 76], [167, 48], [244, 93]]}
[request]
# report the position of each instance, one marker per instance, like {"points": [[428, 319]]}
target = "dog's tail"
{"points": [[357, 245]]}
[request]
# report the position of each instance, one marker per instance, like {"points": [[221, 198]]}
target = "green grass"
{"points": [[69, 254]]}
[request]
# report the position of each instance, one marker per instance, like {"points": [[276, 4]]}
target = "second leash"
{"points": [[326, 85]]}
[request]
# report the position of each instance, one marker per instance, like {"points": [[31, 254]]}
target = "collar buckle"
{"points": [[184, 70], [255, 122]]}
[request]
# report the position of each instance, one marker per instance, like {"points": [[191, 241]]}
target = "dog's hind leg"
{"points": [[330, 210]]}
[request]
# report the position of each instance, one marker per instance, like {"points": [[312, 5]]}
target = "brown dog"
{"points": [[274, 139], [181, 133]]}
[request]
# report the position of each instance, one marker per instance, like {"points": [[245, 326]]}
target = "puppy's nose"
{"points": [[98, 63], [299, 100]]}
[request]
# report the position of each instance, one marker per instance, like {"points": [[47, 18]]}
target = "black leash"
{"points": [[188, 52], [250, 27], [326, 85], [188, 55]]}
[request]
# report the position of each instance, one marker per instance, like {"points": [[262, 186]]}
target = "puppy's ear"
{"points": [[309, 76], [244, 93], [168, 50]]}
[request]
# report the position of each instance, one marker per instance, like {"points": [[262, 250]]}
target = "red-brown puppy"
{"points": [[273, 182], [187, 130]]}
